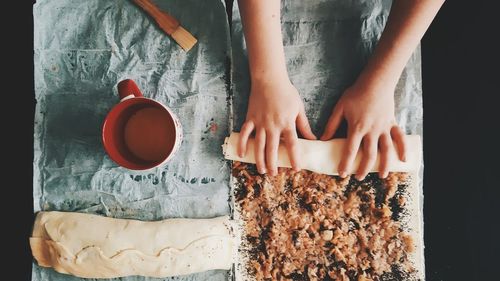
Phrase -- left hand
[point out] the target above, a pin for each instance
(369, 112)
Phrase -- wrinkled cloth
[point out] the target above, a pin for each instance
(84, 48)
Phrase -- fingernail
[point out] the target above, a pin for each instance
(404, 158)
(343, 174)
(360, 178)
(262, 171)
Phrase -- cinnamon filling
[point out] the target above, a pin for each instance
(308, 226)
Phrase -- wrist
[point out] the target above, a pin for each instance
(266, 77)
(376, 82)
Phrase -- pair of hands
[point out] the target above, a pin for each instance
(276, 112)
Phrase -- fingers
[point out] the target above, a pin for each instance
(303, 126)
(370, 146)
(333, 123)
(267, 140)
(399, 139)
(245, 132)
(272, 143)
(350, 151)
(291, 143)
(369, 156)
(260, 144)
(384, 143)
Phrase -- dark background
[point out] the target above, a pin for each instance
(460, 60)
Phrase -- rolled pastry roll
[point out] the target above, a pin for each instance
(324, 156)
(92, 246)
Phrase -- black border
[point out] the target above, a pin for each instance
(18, 106)
(460, 89)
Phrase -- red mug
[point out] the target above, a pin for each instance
(140, 133)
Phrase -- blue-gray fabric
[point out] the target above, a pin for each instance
(84, 48)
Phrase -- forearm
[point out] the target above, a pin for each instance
(262, 28)
(407, 23)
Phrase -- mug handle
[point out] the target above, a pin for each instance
(127, 89)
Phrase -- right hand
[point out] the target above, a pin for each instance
(275, 111)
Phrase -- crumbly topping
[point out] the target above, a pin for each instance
(308, 226)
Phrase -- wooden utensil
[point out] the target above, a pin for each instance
(168, 24)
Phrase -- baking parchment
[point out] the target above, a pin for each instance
(82, 49)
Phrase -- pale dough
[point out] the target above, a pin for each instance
(93, 246)
(324, 156)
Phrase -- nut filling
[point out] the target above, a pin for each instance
(309, 226)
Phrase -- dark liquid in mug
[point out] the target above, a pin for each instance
(150, 134)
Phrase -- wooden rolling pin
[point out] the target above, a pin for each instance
(169, 24)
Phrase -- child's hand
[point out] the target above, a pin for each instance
(369, 112)
(275, 110)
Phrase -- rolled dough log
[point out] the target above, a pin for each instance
(324, 156)
(92, 246)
